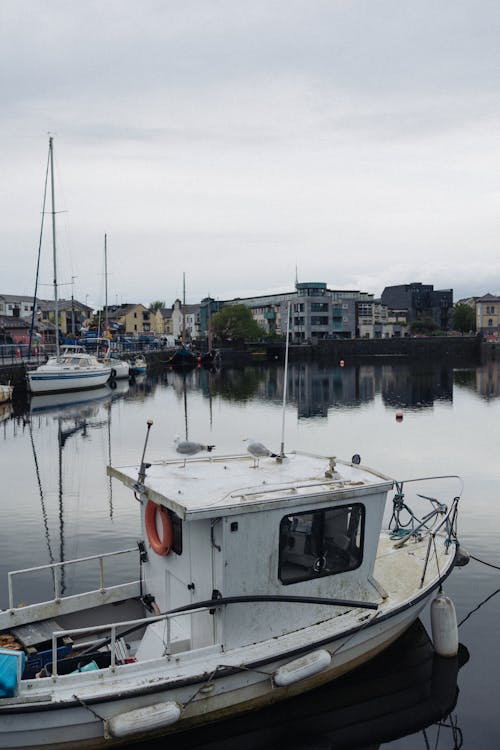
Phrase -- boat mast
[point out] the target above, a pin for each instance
(106, 282)
(285, 381)
(54, 254)
(183, 308)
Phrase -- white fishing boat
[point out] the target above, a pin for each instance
(258, 580)
(6, 391)
(261, 577)
(74, 369)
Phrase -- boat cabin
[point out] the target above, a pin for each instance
(284, 528)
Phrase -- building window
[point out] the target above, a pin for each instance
(490, 322)
(320, 543)
(319, 320)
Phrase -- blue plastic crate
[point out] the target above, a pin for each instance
(11, 669)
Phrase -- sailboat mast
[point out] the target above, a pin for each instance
(183, 309)
(54, 254)
(106, 282)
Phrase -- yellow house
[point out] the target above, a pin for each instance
(133, 319)
(487, 316)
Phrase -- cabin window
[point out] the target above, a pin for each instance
(321, 543)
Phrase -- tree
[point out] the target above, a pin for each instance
(236, 323)
(464, 318)
(424, 326)
(157, 305)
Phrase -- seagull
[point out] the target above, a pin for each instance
(189, 448)
(259, 450)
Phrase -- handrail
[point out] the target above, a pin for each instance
(55, 567)
(112, 627)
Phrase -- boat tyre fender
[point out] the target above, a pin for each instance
(161, 543)
(113, 373)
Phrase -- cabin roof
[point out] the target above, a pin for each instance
(228, 485)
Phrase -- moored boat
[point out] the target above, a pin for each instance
(73, 370)
(258, 581)
(140, 365)
(6, 391)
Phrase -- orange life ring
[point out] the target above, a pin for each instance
(160, 544)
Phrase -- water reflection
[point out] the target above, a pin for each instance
(315, 389)
(405, 690)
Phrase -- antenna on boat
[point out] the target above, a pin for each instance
(142, 470)
(285, 381)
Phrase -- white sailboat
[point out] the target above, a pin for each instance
(74, 369)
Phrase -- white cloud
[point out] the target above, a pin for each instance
(233, 140)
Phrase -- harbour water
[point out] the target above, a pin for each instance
(58, 504)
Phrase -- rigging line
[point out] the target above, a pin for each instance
(85, 705)
(203, 686)
(483, 562)
(485, 601)
(38, 257)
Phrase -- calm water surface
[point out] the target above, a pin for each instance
(59, 504)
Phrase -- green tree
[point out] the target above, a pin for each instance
(464, 318)
(424, 326)
(158, 304)
(236, 323)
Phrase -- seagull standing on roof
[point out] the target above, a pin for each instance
(189, 448)
(259, 450)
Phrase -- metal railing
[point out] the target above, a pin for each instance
(112, 628)
(56, 568)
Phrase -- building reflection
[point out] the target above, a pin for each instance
(315, 389)
(487, 379)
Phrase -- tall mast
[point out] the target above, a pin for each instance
(106, 281)
(183, 308)
(54, 254)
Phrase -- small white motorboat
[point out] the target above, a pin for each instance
(257, 581)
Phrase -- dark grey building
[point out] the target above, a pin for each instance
(421, 301)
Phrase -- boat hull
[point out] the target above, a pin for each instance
(58, 382)
(83, 725)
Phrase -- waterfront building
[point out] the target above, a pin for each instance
(72, 315)
(316, 311)
(421, 301)
(16, 305)
(487, 316)
(129, 319)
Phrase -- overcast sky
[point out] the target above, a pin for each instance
(241, 142)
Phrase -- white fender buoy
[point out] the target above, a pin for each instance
(341, 363)
(444, 626)
(300, 669)
(143, 719)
